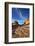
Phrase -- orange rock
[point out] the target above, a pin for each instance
(27, 22)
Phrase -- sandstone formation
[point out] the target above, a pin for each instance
(26, 22)
(22, 31)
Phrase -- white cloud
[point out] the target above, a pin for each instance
(20, 14)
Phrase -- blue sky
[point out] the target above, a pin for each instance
(20, 14)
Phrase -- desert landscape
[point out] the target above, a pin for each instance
(20, 22)
(20, 31)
